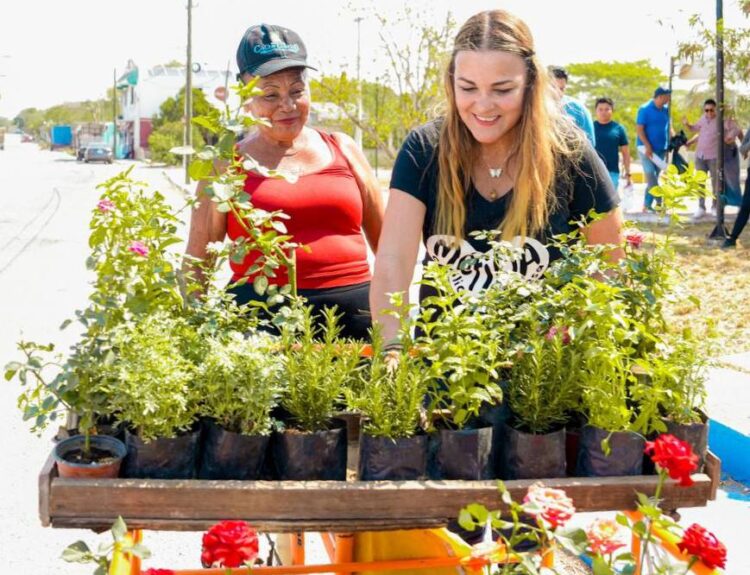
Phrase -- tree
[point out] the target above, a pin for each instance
(629, 84)
(173, 109)
(736, 48)
(408, 93)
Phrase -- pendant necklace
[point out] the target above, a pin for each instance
(495, 174)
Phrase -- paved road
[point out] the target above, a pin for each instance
(45, 203)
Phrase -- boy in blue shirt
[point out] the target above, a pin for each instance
(611, 141)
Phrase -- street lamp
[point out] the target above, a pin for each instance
(188, 137)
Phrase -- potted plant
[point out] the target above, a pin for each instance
(317, 367)
(390, 398)
(678, 370)
(77, 386)
(154, 397)
(608, 444)
(462, 364)
(238, 383)
(543, 388)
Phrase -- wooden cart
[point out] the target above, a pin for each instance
(324, 506)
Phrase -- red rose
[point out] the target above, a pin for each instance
(153, 571)
(704, 545)
(634, 239)
(229, 544)
(675, 456)
(552, 505)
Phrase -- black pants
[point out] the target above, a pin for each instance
(742, 215)
(352, 303)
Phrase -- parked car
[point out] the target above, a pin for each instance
(98, 152)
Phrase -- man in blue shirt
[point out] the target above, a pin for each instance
(573, 108)
(654, 130)
(611, 141)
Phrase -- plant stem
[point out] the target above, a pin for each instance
(657, 495)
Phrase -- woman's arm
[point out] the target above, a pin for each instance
(207, 224)
(396, 257)
(607, 230)
(372, 195)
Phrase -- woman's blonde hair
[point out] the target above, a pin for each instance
(544, 136)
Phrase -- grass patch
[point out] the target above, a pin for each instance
(719, 279)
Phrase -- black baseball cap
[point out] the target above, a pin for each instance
(266, 49)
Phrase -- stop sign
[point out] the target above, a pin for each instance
(220, 93)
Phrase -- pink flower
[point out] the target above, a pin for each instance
(138, 248)
(602, 535)
(634, 238)
(562, 331)
(153, 571)
(105, 206)
(552, 505)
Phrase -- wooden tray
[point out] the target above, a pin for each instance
(338, 506)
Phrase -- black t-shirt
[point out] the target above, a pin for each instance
(415, 172)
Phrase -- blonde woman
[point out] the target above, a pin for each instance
(502, 157)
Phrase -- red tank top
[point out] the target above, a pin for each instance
(325, 214)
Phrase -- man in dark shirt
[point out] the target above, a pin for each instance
(611, 140)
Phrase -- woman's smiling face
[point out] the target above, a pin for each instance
(489, 87)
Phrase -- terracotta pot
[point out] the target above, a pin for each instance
(107, 467)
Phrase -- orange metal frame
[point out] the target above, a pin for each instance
(340, 550)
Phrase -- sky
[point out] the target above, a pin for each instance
(54, 51)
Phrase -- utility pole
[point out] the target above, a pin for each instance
(719, 232)
(114, 113)
(188, 138)
(357, 128)
(671, 75)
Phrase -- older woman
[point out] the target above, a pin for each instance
(502, 157)
(335, 196)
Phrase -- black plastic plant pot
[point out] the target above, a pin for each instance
(383, 458)
(229, 455)
(625, 456)
(320, 455)
(533, 456)
(104, 457)
(162, 458)
(496, 416)
(462, 454)
(695, 434)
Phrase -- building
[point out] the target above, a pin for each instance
(141, 95)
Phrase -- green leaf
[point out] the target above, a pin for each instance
(119, 529)
(77, 552)
(600, 567)
(260, 284)
(11, 368)
(466, 521)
